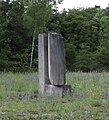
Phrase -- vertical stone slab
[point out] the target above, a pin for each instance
(56, 59)
(43, 62)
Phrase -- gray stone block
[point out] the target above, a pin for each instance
(43, 61)
(51, 90)
(51, 66)
(66, 90)
(56, 59)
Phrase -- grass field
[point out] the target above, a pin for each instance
(89, 99)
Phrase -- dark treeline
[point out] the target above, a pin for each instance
(85, 32)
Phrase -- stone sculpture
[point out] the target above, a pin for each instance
(51, 67)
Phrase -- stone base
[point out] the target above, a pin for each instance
(66, 90)
(51, 90)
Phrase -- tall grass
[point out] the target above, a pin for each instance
(15, 86)
(89, 99)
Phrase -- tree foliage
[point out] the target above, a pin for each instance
(85, 32)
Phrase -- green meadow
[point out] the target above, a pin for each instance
(89, 99)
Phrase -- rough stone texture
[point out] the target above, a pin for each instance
(66, 90)
(51, 66)
(51, 90)
(43, 62)
(56, 59)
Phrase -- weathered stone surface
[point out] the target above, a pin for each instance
(56, 59)
(51, 90)
(51, 67)
(43, 61)
(66, 90)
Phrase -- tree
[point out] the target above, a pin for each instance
(18, 35)
(4, 40)
(38, 11)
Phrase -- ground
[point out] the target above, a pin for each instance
(89, 99)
